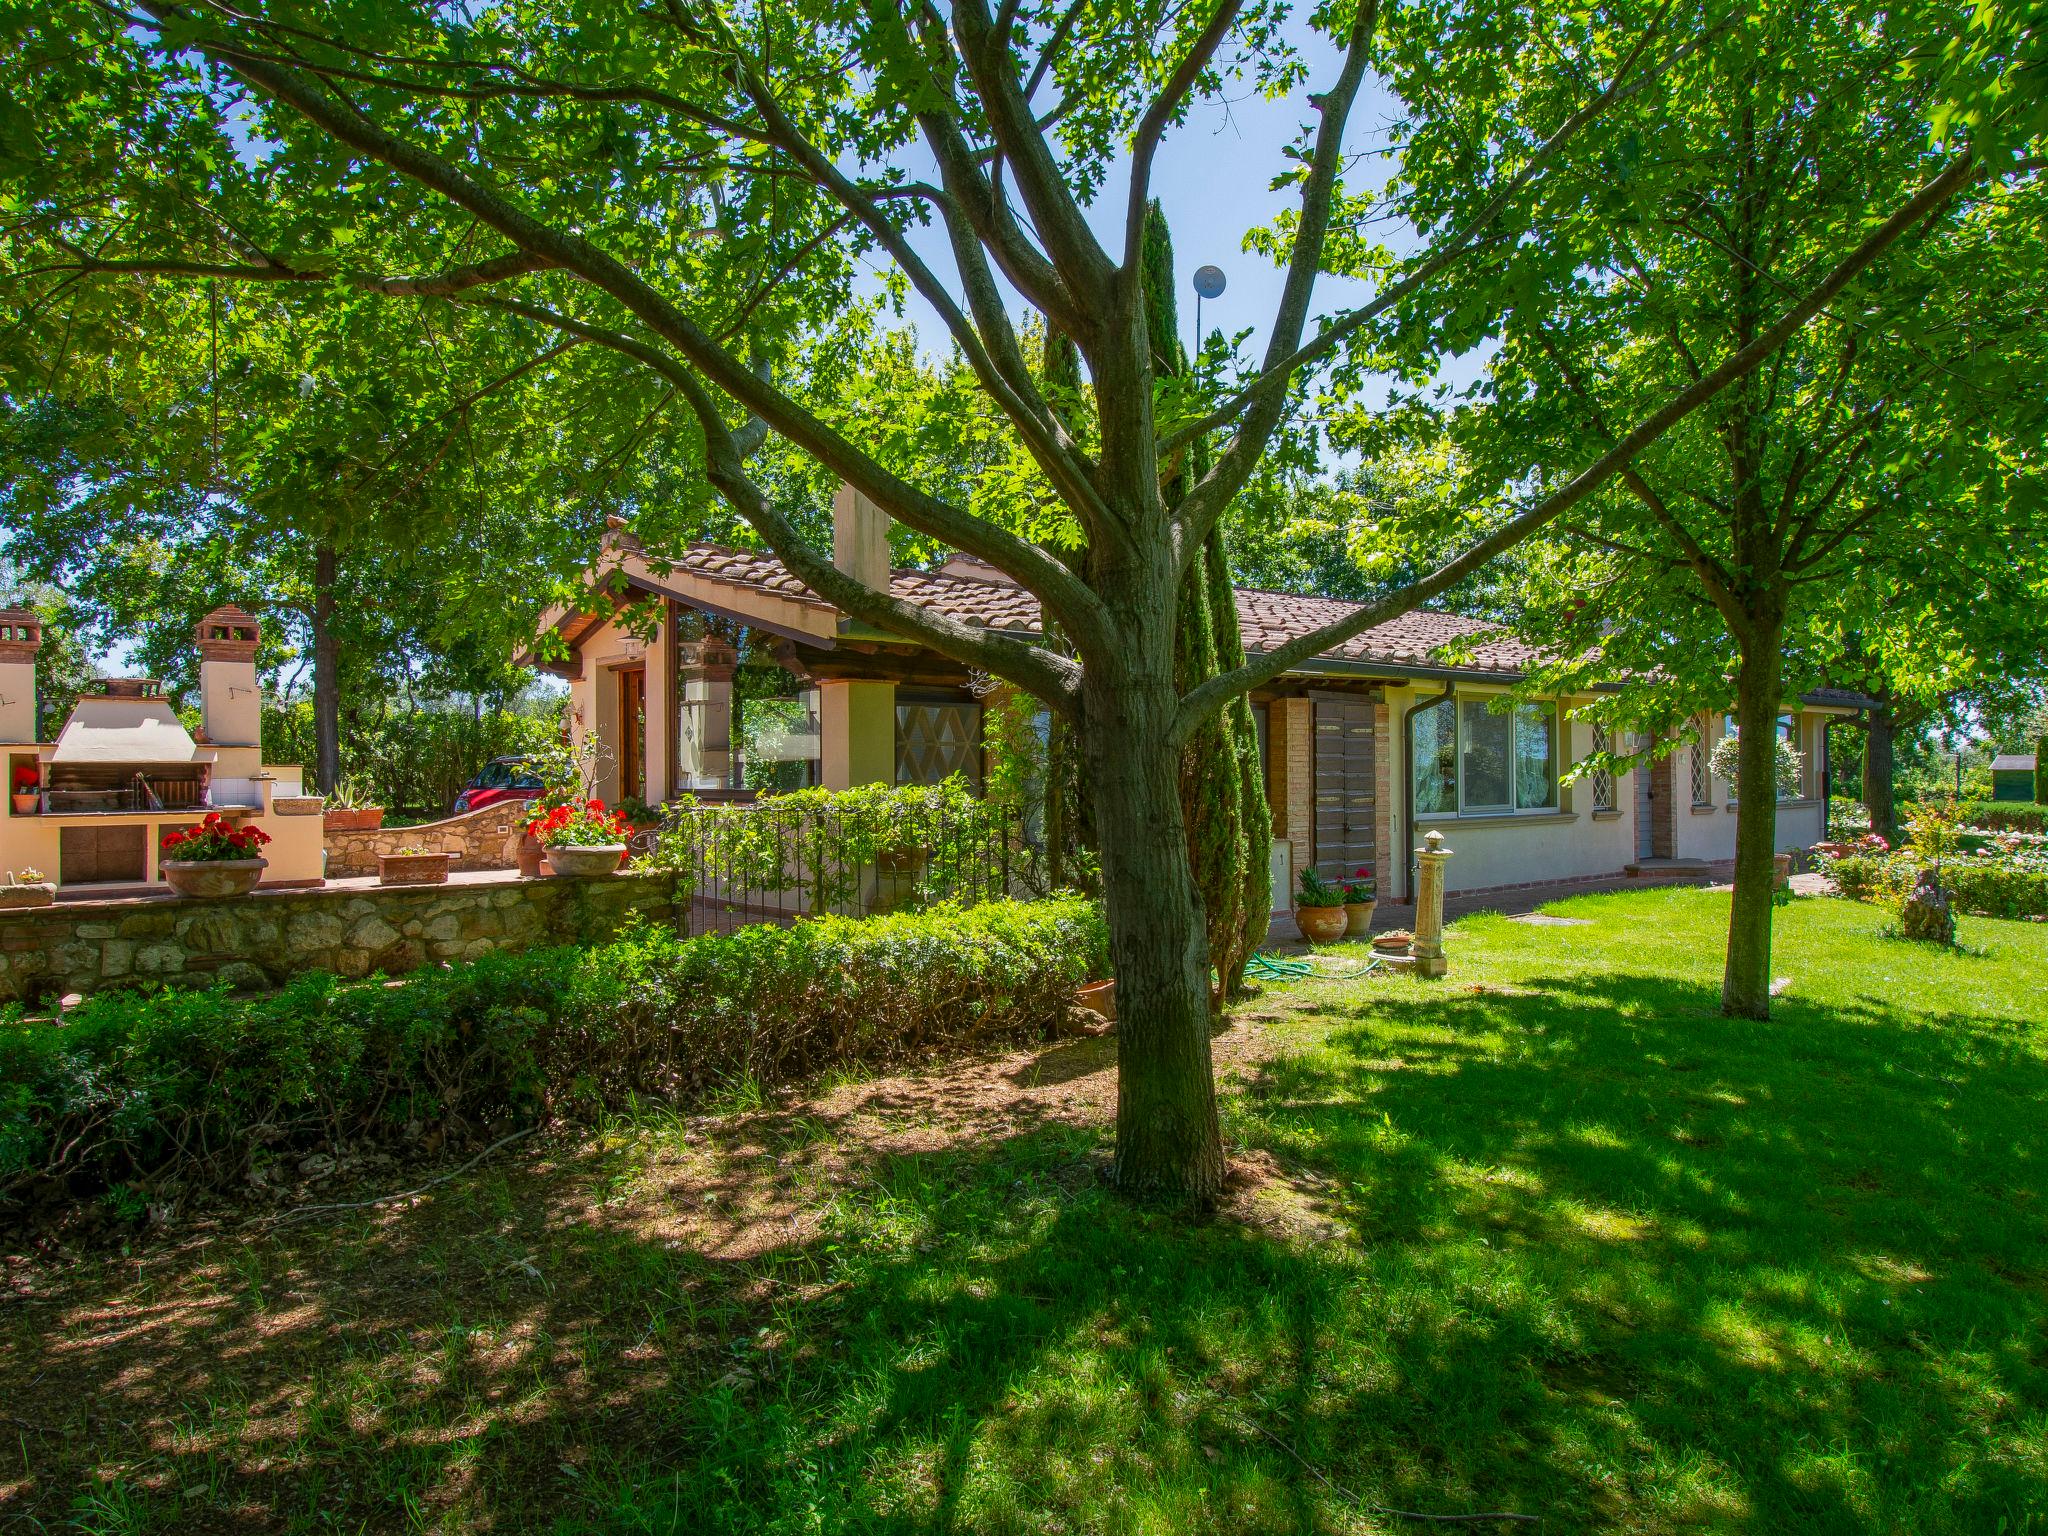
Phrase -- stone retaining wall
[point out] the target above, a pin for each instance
(263, 938)
(480, 839)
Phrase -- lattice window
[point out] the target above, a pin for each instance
(935, 740)
(1602, 778)
(1702, 770)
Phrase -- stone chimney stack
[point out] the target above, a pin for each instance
(21, 636)
(230, 707)
(860, 538)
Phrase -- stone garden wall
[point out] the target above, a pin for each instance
(481, 839)
(262, 938)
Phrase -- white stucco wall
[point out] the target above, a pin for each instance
(1570, 843)
(1708, 832)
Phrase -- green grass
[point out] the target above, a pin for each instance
(1553, 1238)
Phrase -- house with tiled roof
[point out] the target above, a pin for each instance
(716, 671)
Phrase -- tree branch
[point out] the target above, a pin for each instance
(1211, 695)
(435, 285)
(1063, 593)
(1277, 371)
(1145, 143)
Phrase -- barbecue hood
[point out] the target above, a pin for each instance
(117, 732)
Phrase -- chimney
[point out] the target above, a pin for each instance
(230, 708)
(21, 636)
(860, 538)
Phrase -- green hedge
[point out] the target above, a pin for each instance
(1992, 889)
(1995, 815)
(142, 1093)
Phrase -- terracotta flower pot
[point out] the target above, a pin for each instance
(25, 805)
(212, 879)
(1392, 943)
(585, 863)
(1320, 925)
(367, 818)
(1099, 998)
(530, 854)
(33, 893)
(1358, 918)
(413, 868)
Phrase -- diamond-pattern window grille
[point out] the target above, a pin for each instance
(935, 740)
(1603, 778)
(1702, 772)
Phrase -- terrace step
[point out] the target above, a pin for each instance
(1669, 869)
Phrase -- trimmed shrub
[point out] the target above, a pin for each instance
(1997, 815)
(142, 1092)
(1995, 890)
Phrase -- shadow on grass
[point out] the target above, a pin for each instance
(1790, 1275)
(1619, 1264)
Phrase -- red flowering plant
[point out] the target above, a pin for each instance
(1361, 887)
(589, 825)
(214, 840)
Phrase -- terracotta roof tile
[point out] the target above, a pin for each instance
(1268, 619)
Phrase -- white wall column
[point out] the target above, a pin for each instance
(21, 636)
(857, 728)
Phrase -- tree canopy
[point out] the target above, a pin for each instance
(697, 188)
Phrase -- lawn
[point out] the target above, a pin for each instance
(1549, 1238)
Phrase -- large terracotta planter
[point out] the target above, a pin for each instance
(413, 868)
(531, 857)
(25, 805)
(586, 863)
(212, 879)
(1099, 998)
(1358, 918)
(33, 893)
(1320, 925)
(366, 818)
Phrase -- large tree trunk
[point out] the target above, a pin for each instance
(1168, 1141)
(326, 672)
(1879, 734)
(1746, 978)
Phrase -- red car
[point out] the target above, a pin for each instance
(503, 778)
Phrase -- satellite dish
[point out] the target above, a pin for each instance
(1209, 282)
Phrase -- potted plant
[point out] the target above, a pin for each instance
(214, 859)
(27, 888)
(349, 809)
(1395, 941)
(582, 841)
(1318, 909)
(414, 866)
(26, 783)
(1361, 893)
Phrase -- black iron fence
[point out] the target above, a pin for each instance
(855, 853)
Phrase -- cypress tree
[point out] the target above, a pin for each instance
(1223, 792)
(1069, 829)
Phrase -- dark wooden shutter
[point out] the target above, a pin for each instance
(1344, 786)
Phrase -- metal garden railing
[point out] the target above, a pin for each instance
(855, 853)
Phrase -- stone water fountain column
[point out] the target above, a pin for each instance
(1428, 948)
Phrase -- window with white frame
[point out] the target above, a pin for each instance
(1788, 727)
(1470, 761)
(1702, 770)
(1601, 779)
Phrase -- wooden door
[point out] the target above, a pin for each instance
(632, 733)
(1345, 791)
